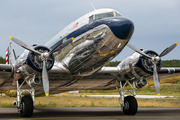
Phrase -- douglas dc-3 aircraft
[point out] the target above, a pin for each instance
(75, 58)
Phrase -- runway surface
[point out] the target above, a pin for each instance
(95, 113)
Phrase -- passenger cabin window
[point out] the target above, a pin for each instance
(91, 19)
(117, 14)
(104, 15)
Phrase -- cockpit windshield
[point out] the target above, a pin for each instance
(117, 14)
(104, 15)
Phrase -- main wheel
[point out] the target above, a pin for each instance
(130, 105)
(26, 106)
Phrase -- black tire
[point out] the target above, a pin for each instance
(27, 106)
(130, 105)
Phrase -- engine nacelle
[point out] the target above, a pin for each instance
(29, 65)
(140, 83)
(137, 67)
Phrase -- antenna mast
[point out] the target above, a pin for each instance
(93, 6)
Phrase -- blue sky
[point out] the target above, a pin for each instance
(157, 22)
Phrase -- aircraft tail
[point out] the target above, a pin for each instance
(10, 55)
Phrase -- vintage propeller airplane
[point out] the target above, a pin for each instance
(75, 58)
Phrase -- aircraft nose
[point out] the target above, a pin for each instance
(122, 28)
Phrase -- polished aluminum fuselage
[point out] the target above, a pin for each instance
(91, 51)
(94, 45)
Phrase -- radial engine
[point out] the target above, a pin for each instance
(138, 68)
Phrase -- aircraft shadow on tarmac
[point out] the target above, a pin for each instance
(92, 112)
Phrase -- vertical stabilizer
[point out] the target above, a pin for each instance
(10, 55)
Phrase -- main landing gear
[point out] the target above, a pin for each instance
(25, 103)
(128, 104)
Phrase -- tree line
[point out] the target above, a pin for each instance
(165, 63)
(2, 60)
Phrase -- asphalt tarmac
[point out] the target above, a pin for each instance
(95, 113)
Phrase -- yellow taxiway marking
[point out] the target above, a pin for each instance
(139, 117)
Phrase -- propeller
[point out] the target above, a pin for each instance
(24, 45)
(155, 60)
(45, 79)
(44, 56)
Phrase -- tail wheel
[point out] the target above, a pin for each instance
(26, 106)
(130, 105)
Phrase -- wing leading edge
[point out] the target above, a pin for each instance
(6, 71)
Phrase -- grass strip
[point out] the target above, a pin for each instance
(66, 101)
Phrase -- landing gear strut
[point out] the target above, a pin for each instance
(128, 104)
(26, 105)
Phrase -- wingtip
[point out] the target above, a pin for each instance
(47, 94)
(158, 94)
(176, 43)
(10, 37)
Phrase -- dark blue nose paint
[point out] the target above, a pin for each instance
(121, 27)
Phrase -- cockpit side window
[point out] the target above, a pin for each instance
(117, 14)
(91, 20)
(104, 15)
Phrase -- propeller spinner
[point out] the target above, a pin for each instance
(154, 61)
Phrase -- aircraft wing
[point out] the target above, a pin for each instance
(6, 71)
(164, 72)
(106, 78)
(62, 80)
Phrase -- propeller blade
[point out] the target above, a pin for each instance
(45, 79)
(24, 45)
(139, 51)
(169, 49)
(156, 80)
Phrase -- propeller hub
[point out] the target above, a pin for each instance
(44, 56)
(156, 59)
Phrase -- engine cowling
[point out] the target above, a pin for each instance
(137, 67)
(29, 64)
(35, 61)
